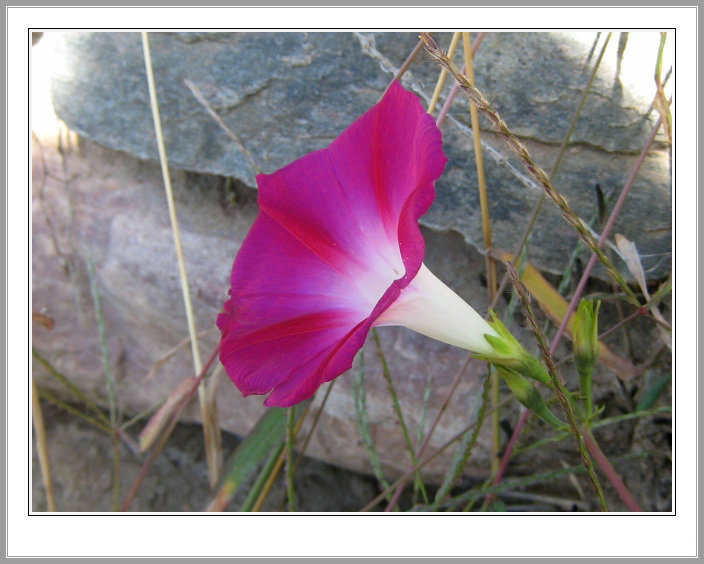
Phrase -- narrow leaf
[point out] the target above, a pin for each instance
(267, 436)
(653, 393)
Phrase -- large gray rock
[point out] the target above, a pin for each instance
(285, 94)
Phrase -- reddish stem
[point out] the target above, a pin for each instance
(426, 439)
(174, 419)
(609, 471)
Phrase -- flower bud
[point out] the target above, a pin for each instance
(526, 392)
(584, 333)
(586, 349)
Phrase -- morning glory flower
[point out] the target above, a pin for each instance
(336, 250)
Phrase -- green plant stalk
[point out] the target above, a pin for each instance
(48, 396)
(600, 423)
(42, 447)
(102, 335)
(519, 483)
(185, 290)
(433, 426)
(559, 389)
(585, 340)
(137, 418)
(290, 463)
(313, 426)
(427, 459)
(116, 472)
(266, 471)
(464, 449)
(537, 172)
(424, 408)
(72, 387)
(360, 405)
(397, 407)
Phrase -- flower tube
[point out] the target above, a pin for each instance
(336, 250)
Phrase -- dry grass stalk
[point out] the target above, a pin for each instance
(42, 447)
(190, 318)
(537, 172)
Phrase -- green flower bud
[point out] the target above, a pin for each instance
(586, 349)
(585, 334)
(526, 392)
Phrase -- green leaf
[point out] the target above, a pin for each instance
(653, 393)
(267, 436)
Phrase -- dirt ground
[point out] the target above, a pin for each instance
(178, 481)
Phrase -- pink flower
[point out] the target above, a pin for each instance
(336, 249)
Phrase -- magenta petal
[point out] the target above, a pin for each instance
(336, 240)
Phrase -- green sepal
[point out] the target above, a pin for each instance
(526, 392)
(509, 353)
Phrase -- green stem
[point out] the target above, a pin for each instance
(559, 390)
(73, 388)
(102, 335)
(290, 463)
(399, 414)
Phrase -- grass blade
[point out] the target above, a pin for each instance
(399, 413)
(42, 447)
(71, 387)
(464, 449)
(102, 335)
(263, 442)
(207, 418)
(360, 405)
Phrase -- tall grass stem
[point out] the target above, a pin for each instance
(190, 318)
(42, 447)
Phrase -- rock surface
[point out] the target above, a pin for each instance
(285, 94)
(178, 481)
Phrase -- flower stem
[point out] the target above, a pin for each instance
(399, 413)
(559, 389)
(290, 464)
(42, 447)
(610, 472)
(433, 426)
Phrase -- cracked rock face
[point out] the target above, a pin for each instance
(286, 94)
